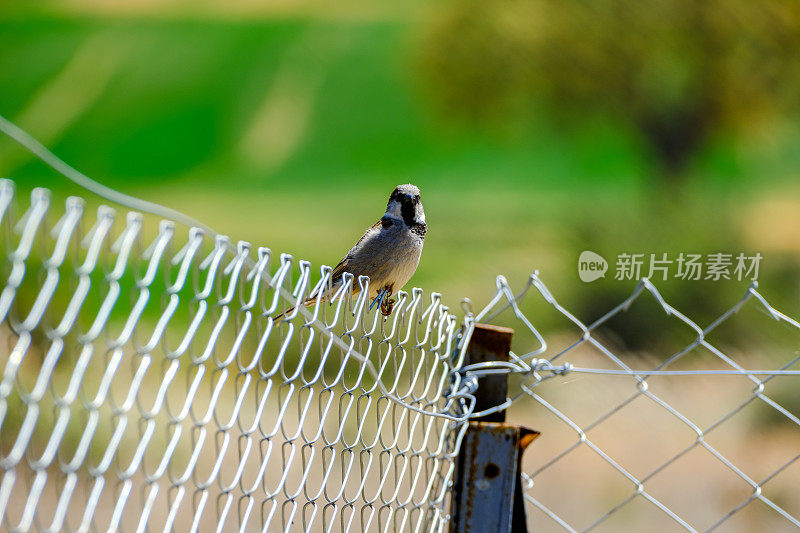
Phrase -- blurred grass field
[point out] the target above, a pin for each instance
(290, 130)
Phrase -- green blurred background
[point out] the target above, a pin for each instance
(535, 129)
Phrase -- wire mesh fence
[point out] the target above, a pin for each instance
(691, 439)
(146, 386)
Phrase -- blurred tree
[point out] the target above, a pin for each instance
(677, 71)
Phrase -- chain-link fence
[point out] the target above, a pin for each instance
(683, 437)
(146, 386)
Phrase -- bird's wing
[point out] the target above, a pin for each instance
(344, 264)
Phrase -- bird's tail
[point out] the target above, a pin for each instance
(279, 317)
(328, 294)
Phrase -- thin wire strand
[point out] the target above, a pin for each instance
(59, 165)
(686, 372)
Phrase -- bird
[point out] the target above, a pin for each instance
(388, 252)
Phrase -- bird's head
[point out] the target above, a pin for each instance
(405, 204)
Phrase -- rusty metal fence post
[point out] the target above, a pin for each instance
(487, 491)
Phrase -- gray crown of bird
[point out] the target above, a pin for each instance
(388, 252)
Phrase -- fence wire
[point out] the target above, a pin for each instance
(147, 387)
(696, 441)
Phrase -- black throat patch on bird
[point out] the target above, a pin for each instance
(408, 212)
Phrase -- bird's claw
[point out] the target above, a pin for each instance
(387, 304)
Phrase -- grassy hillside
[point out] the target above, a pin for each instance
(291, 132)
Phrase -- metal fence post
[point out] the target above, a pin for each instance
(487, 491)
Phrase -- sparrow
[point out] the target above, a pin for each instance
(388, 252)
